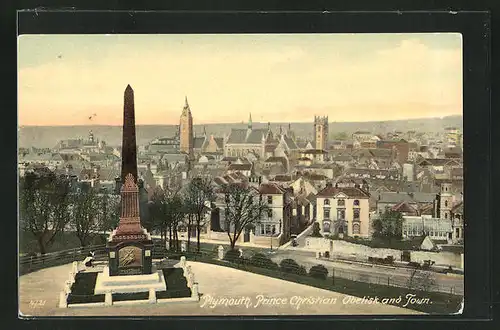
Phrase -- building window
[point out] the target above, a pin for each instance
(269, 213)
(341, 214)
(446, 215)
(356, 202)
(341, 202)
(355, 229)
(268, 229)
(355, 215)
(326, 214)
(326, 226)
(269, 199)
(445, 203)
(327, 202)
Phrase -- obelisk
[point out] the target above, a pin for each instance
(130, 245)
(129, 145)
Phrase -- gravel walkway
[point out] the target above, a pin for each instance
(225, 291)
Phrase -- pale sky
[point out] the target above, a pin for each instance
(64, 79)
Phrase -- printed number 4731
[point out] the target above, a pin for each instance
(37, 303)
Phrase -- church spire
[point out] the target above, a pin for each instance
(250, 121)
(186, 110)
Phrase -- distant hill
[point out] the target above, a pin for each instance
(48, 136)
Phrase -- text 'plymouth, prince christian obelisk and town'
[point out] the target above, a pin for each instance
(129, 246)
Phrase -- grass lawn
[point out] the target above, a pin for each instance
(176, 284)
(409, 244)
(82, 291)
(130, 296)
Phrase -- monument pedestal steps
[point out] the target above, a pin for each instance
(129, 283)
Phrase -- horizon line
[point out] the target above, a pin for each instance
(253, 122)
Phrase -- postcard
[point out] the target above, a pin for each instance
(240, 174)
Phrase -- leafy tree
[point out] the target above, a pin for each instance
(318, 271)
(341, 136)
(232, 256)
(389, 225)
(44, 207)
(292, 267)
(316, 230)
(263, 261)
(199, 196)
(243, 208)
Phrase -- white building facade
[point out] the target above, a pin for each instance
(343, 211)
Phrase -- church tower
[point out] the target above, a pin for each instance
(186, 130)
(445, 201)
(320, 132)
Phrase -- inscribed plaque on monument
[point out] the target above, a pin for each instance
(130, 256)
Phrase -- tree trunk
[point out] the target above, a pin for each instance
(190, 219)
(198, 230)
(170, 239)
(177, 242)
(41, 245)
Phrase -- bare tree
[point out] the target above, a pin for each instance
(174, 213)
(167, 210)
(84, 214)
(108, 214)
(243, 208)
(44, 207)
(199, 196)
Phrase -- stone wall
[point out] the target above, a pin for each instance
(265, 240)
(440, 258)
(342, 249)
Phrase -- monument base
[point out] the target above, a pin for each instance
(129, 283)
(130, 254)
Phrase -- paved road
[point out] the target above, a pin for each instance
(371, 273)
(357, 271)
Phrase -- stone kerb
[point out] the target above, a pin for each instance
(63, 299)
(63, 295)
(67, 287)
(152, 296)
(183, 262)
(190, 280)
(74, 267)
(220, 252)
(108, 299)
(187, 271)
(195, 295)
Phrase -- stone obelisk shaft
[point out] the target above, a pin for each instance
(129, 146)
